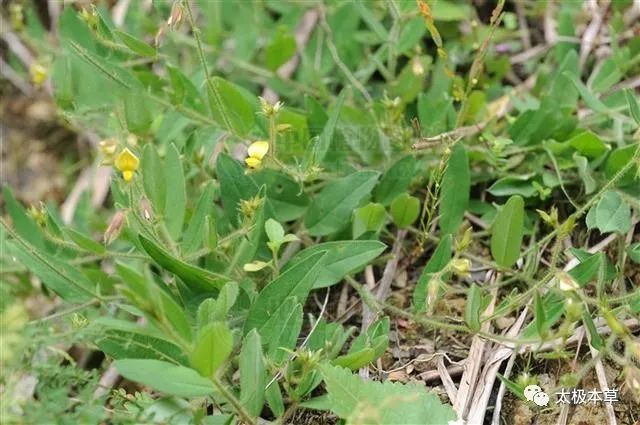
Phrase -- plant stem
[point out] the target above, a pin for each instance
(239, 408)
(203, 61)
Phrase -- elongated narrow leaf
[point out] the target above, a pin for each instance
(454, 192)
(165, 377)
(176, 197)
(194, 277)
(282, 331)
(507, 232)
(295, 282)
(66, 281)
(588, 97)
(153, 177)
(343, 257)
(440, 258)
(321, 148)
(135, 44)
(193, 236)
(22, 223)
(253, 375)
(331, 209)
(472, 308)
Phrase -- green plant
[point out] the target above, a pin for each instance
(228, 211)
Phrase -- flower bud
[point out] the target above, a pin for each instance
(461, 267)
(145, 209)
(115, 227)
(38, 74)
(613, 323)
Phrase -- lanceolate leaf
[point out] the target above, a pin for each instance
(295, 282)
(165, 377)
(507, 232)
(454, 192)
(253, 374)
(440, 258)
(343, 257)
(331, 209)
(176, 197)
(194, 277)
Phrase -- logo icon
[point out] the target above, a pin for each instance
(535, 394)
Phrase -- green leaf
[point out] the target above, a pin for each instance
(253, 375)
(230, 107)
(212, 348)
(135, 44)
(588, 144)
(193, 236)
(610, 214)
(359, 401)
(194, 277)
(321, 147)
(153, 177)
(217, 309)
(235, 185)
(369, 218)
(274, 399)
(22, 223)
(274, 230)
(634, 252)
(176, 196)
(395, 180)
(85, 242)
(438, 261)
(281, 48)
(618, 159)
(507, 232)
(331, 209)
(513, 185)
(633, 105)
(355, 360)
(343, 257)
(296, 282)
(405, 209)
(281, 335)
(595, 339)
(165, 377)
(121, 339)
(541, 317)
(59, 276)
(585, 173)
(473, 308)
(588, 97)
(454, 192)
(137, 114)
(285, 199)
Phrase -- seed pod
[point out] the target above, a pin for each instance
(115, 227)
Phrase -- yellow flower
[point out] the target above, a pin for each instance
(253, 162)
(38, 74)
(257, 151)
(127, 163)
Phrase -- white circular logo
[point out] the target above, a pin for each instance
(535, 394)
